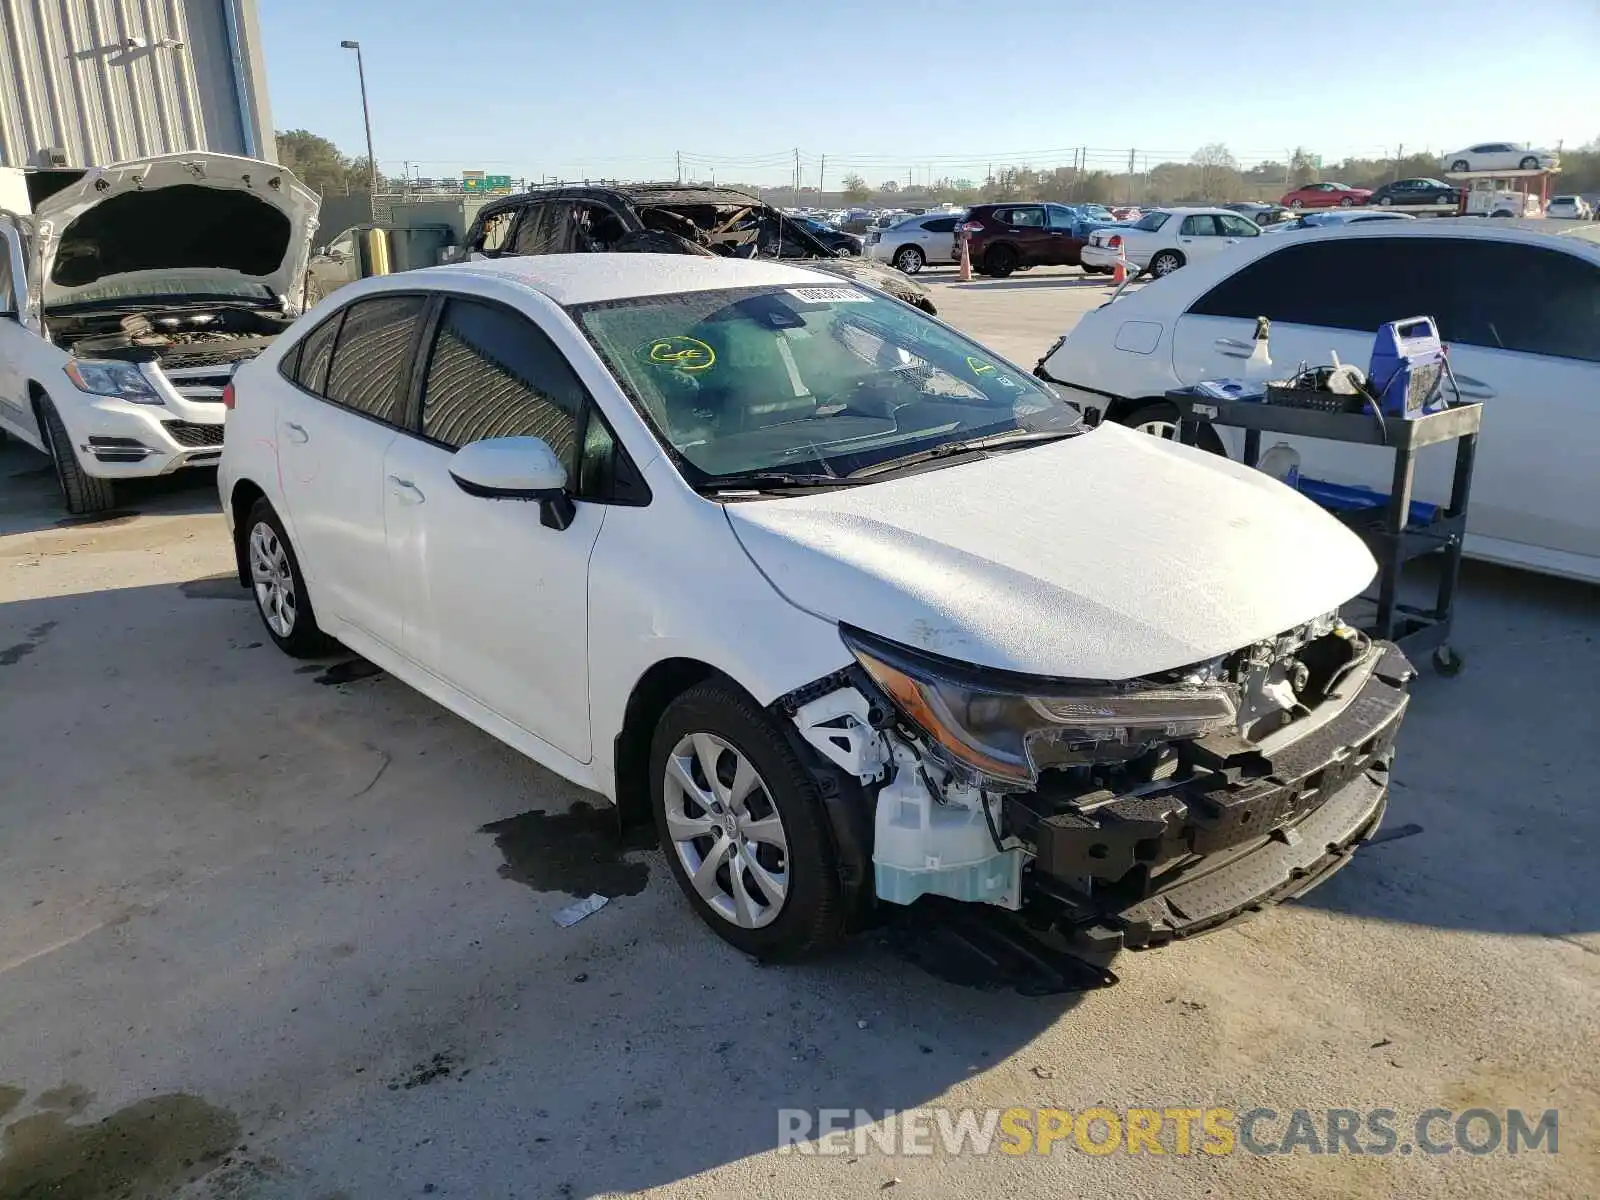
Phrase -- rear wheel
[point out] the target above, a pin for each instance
(1296, 203)
(83, 493)
(1000, 261)
(909, 259)
(742, 825)
(278, 586)
(1165, 263)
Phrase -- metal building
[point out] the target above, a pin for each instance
(107, 80)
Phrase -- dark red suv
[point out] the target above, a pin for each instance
(1003, 237)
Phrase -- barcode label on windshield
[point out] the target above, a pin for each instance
(830, 295)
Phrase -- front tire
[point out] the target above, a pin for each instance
(1385, 202)
(1347, 202)
(83, 493)
(279, 587)
(1297, 203)
(909, 259)
(742, 826)
(1528, 164)
(1165, 263)
(1461, 164)
(1161, 420)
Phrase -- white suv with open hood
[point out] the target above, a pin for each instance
(128, 297)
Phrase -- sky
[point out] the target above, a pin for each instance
(913, 89)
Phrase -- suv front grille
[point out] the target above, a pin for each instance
(190, 433)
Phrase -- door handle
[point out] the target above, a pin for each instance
(405, 491)
(297, 433)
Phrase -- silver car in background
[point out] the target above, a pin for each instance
(915, 242)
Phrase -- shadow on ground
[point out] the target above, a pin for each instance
(1497, 766)
(30, 500)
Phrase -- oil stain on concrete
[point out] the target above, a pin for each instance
(146, 1150)
(349, 671)
(578, 852)
(12, 655)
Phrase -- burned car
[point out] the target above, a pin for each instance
(668, 218)
(131, 292)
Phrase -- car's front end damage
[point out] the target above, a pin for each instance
(1120, 815)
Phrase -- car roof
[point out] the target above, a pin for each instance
(634, 193)
(1199, 277)
(570, 279)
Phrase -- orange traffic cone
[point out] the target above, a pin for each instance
(1119, 273)
(966, 261)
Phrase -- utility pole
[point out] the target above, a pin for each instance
(678, 154)
(1400, 152)
(797, 176)
(366, 117)
(1131, 154)
(822, 167)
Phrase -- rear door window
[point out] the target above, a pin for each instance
(1061, 217)
(309, 366)
(1199, 225)
(371, 365)
(495, 235)
(940, 225)
(1032, 218)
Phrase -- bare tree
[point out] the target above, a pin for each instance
(855, 189)
(1219, 170)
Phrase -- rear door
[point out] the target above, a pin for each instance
(1025, 228)
(1200, 236)
(936, 237)
(334, 427)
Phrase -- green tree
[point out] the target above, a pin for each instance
(321, 166)
(1302, 168)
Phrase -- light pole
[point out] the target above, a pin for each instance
(366, 116)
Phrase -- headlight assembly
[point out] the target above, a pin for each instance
(1009, 728)
(111, 377)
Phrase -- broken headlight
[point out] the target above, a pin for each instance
(1008, 727)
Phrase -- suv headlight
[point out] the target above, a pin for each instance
(111, 377)
(1009, 728)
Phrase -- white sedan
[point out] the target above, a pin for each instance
(1165, 239)
(1519, 310)
(820, 585)
(1569, 208)
(1500, 156)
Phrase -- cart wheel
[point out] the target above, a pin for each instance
(1447, 662)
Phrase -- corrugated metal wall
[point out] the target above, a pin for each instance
(107, 80)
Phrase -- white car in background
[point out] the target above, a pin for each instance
(1500, 156)
(699, 534)
(128, 296)
(915, 242)
(1569, 208)
(1165, 239)
(1519, 310)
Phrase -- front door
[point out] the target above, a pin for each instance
(334, 428)
(16, 412)
(496, 603)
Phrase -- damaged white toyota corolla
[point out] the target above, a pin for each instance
(859, 611)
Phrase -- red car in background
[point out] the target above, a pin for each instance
(1326, 195)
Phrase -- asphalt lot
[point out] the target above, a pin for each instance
(270, 930)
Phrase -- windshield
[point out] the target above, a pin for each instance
(1151, 222)
(825, 379)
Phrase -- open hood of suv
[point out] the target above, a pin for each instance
(194, 218)
(1108, 556)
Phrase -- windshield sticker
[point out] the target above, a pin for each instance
(978, 366)
(684, 353)
(830, 295)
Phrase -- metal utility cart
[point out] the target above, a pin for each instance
(1392, 536)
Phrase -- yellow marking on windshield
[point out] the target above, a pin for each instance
(978, 366)
(683, 353)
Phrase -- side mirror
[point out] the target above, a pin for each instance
(516, 468)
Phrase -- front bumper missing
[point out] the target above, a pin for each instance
(1249, 829)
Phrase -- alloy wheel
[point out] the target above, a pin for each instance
(1164, 264)
(1161, 429)
(272, 579)
(726, 831)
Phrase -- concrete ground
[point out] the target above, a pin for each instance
(276, 930)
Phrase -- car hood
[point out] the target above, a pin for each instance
(1107, 556)
(201, 215)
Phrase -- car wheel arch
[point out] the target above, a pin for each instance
(661, 684)
(1119, 408)
(245, 494)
